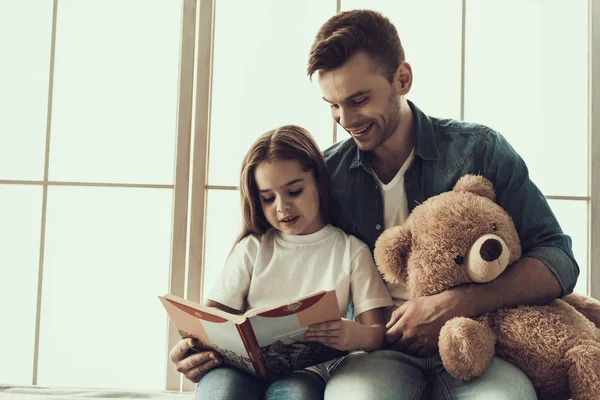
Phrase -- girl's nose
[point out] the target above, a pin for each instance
(283, 207)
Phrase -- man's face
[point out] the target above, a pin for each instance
(362, 100)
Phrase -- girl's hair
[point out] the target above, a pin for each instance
(288, 142)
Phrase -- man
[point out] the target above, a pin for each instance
(398, 158)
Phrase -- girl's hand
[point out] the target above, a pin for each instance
(193, 365)
(345, 335)
(341, 335)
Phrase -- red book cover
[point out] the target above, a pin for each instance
(265, 342)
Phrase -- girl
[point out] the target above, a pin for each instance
(288, 250)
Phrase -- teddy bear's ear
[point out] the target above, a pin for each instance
(391, 252)
(476, 184)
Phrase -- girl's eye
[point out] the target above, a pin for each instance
(269, 200)
(295, 193)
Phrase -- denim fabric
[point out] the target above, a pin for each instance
(446, 150)
(226, 383)
(386, 374)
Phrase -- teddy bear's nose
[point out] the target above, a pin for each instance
(490, 250)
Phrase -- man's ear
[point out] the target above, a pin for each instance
(391, 253)
(403, 78)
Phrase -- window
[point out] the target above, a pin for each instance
(513, 84)
(124, 125)
(87, 145)
(259, 83)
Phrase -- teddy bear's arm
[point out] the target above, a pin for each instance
(466, 347)
(588, 306)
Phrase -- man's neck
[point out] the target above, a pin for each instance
(387, 159)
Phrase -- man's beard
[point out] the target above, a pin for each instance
(394, 116)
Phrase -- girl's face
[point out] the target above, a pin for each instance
(289, 197)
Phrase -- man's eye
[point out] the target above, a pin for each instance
(295, 193)
(360, 101)
(334, 106)
(269, 200)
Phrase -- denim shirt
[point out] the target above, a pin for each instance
(445, 150)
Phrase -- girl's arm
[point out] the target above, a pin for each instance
(367, 334)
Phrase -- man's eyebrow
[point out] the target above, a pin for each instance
(290, 183)
(355, 94)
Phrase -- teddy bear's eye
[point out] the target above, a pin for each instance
(459, 260)
(494, 228)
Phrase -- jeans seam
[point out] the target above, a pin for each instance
(445, 388)
(420, 390)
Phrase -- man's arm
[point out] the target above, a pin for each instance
(546, 271)
(414, 328)
(527, 281)
(540, 234)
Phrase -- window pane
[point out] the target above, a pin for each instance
(223, 224)
(573, 218)
(526, 77)
(106, 261)
(20, 216)
(432, 43)
(25, 43)
(260, 56)
(115, 91)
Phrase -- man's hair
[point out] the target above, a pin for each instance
(288, 142)
(350, 31)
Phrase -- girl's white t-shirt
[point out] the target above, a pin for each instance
(275, 268)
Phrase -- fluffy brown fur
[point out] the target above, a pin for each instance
(557, 345)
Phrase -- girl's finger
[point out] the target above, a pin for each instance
(329, 325)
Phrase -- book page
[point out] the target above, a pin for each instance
(211, 332)
(280, 333)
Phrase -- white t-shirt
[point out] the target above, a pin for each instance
(276, 268)
(395, 212)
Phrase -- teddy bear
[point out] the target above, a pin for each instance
(464, 236)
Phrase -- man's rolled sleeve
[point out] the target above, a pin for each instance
(556, 259)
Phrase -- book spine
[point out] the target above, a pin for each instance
(251, 344)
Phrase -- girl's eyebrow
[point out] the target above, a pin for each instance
(290, 183)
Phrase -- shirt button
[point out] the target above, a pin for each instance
(378, 227)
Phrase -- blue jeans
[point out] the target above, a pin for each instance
(386, 374)
(226, 383)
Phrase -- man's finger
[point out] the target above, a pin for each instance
(401, 344)
(413, 348)
(396, 315)
(394, 333)
(179, 352)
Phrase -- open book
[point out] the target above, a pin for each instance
(265, 342)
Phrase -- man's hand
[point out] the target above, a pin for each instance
(414, 327)
(193, 365)
(342, 335)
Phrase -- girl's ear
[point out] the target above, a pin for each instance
(391, 253)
